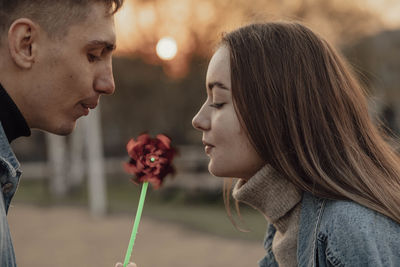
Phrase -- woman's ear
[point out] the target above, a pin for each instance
(22, 42)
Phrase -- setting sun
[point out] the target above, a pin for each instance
(167, 48)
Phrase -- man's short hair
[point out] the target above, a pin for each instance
(54, 16)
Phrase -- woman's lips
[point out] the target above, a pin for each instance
(208, 149)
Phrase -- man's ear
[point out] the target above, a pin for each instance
(22, 42)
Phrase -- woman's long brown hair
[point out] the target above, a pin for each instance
(306, 115)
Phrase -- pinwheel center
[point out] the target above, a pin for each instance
(152, 159)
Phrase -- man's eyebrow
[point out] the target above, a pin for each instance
(218, 84)
(107, 45)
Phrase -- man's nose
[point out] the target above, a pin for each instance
(104, 83)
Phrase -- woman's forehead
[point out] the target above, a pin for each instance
(219, 67)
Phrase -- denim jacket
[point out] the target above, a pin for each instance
(341, 233)
(9, 179)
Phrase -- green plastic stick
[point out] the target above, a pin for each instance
(136, 223)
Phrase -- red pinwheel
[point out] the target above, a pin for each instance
(150, 159)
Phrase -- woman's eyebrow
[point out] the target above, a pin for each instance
(218, 84)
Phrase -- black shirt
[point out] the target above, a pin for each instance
(13, 122)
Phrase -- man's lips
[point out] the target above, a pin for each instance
(88, 105)
(85, 110)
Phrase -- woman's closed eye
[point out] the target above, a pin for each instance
(217, 105)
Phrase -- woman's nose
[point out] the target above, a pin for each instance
(201, 121)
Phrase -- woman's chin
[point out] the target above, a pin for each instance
(218, 172)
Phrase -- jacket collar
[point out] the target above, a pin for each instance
(7, 156)
(310, 219)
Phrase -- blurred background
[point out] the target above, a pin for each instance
(75, 206)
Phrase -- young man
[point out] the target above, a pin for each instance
(55, 63)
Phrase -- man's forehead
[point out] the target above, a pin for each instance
(95, 30)
(98, 18)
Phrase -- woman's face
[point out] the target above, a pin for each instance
(226, 144)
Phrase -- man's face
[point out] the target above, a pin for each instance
(70, 74)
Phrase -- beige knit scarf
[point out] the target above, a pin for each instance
(279, 201)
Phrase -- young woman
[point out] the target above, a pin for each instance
(285, 114)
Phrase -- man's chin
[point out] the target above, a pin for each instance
(63, 130)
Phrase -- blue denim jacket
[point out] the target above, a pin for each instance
(341, 233)
(9, 179)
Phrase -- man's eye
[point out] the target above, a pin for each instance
(217, 105)
(93, 58)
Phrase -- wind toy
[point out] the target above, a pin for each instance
(150, 162)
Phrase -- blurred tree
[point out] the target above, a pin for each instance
(196, 25)
(57, 155)
(377, 61)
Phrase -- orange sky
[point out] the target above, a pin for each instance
(139, 18)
